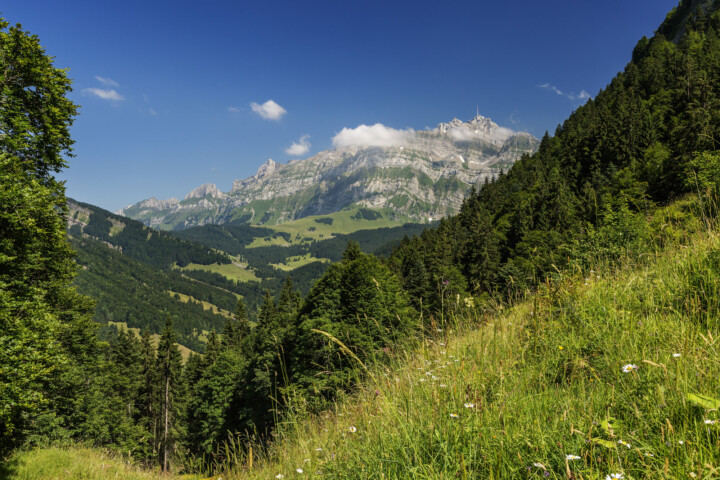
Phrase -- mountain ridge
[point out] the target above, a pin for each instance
(420, 175)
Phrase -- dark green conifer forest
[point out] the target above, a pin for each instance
(589, 193)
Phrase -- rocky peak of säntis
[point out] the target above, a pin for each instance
(420, 175)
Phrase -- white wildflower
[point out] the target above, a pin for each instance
(629, 368)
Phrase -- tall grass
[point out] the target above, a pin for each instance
(75, 463)
(611, 371)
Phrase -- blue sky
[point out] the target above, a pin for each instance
(174, 94)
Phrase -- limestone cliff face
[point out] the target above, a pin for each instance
(426, 175)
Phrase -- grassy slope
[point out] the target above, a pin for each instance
(541, 381)
(342, 223)
(75, 463)
(229, 271)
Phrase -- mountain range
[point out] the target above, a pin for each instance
(413, 176)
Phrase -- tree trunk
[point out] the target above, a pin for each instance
(167, 418)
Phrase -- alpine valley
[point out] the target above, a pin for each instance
(416, 177)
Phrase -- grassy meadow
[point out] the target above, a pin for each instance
(613, 371)
(319, 227)
(76, 463)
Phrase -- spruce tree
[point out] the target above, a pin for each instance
(169, 364)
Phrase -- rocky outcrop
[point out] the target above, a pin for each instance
(428, 175)
(205, 190)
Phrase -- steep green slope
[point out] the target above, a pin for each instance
(126, 290)
(612, 372)
(127, 269)
(135, 240)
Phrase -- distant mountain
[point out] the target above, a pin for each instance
(424, 175)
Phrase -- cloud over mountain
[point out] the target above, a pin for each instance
(301, 147)
(377, 135)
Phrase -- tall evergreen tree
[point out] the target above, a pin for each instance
(169, 368)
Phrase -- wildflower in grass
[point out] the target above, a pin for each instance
(454, 415)
(279, 476)
(676, 355)
(614, 476)
(572, 457)
(318, 449)
(623, 443)
(681, 442)
(299, 470)
(693, 474)
(710, 422)
(352, 429)
(629, 368)
(560, 347)
(469, 405)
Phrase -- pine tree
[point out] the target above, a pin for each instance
(169, 367)
(237, 328)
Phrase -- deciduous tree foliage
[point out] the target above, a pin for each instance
(46, 335)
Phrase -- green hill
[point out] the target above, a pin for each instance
(610, 371)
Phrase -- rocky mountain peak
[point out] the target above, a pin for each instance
(478, 129)
(426, 175)
(266, 169)
(205, 190)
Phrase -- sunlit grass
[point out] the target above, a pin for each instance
(231, 271)
(206, 305)
(291, 263)
(342, 223)
(536, 386)
(76, 464)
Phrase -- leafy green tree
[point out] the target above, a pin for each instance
(47, 340)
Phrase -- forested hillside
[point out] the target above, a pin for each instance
(647, 139)
(131, 271)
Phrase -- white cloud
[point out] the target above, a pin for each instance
(301, 147)
(268, 110)
(105, 94)
(108, 82)
(233, 109)
(552, 88)
(152, 112)
(465, 134)
(583, 95)
(377, 135)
